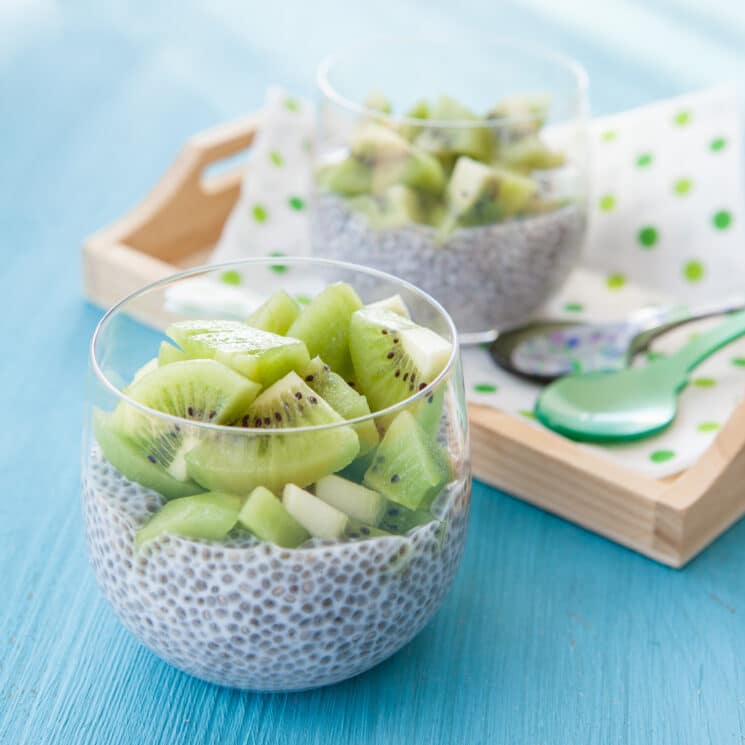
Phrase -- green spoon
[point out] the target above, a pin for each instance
(632, 403)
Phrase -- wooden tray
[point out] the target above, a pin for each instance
(669, 520)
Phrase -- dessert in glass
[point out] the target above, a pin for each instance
(278, 501)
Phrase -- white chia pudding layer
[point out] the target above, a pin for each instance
(486, 277)
(251, 615)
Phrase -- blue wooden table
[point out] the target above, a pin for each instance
(551, 634)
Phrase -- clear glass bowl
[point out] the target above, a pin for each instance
(484, 200)
(239, 612)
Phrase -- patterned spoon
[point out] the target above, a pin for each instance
(632, 403)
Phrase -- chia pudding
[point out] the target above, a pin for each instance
(486, 277)
(252, 615)
(281, 503)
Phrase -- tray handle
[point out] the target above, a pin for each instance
(184, 214)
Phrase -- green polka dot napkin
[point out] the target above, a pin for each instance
(666, 222)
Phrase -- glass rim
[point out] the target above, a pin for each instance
(120, 307)
(327, 88)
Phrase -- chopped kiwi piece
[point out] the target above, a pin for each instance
(393, 160)
(397, 519)
(479, 194)
(145, 463)
(524, 116)
(396, 206)
(348, 177)
(530, 154)
(321, 520)
(323, 325)
(393, 357)
(343, 399)
(408, 467)
(352, 499)
(258, 355)
(447, 141)
(359, 531)
(200, 390)
(268, 519)
(168, 353)
(276, 314)
(394, 304)
(239, 463)
(209, 516)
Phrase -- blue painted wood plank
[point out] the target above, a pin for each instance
(551, 634)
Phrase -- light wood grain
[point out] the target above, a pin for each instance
(669, 520)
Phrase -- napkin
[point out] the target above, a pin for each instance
(665, 223)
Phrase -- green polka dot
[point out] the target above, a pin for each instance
(527, 413)
(704, 382)
(607, 202)
(660, 456)
(722, 219)
(693, 271)
(485, 388)
(276, 158)
(291, 104)
(574, 307)
(608, 136)
(738, 361)
(708, 426)
(717, 144)
(682, 118)
(231, 277)
(615, 281)
(302, 299)
(278, 268)
(296, 203)
(644, 160)
(259, 213)
(682, 187)
(648, 236)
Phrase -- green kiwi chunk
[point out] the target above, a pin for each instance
(393, 160)
(145, 463)
(266, 517)
(258, 355)
(397, 519)
(323, 325)
(394, 357)
(343, 399)
(319, 518)
(200, 390)
(348, 177)
(355, 500)
(210, 516)
(523, 116)
(276, 314)
(530, 154)
(395, 207)
(480, 195)
(238, 462)
(377, 101)
(447, 141)
(408, 467)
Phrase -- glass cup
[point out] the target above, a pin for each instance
(460, 166)
(241, 612)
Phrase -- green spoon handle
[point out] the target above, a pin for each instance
(704, 345)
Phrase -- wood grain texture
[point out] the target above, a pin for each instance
(551, 635)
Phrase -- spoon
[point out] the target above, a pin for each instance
(631, 403)
(546, 350)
